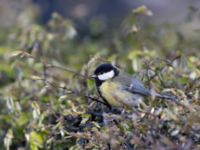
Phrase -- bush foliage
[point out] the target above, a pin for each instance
(48, 100)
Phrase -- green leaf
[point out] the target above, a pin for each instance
(85, 118)
(184, 80)
(90, 84)
(36, 140)
(23, 119)
(143, 10)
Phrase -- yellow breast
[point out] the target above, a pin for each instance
(118, 97)
(107, 90)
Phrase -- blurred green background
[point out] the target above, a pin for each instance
(46, 45)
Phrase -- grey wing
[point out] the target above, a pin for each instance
(137, 87)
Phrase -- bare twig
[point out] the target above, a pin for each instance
(95, 99)
(66, 69)
(46, 65)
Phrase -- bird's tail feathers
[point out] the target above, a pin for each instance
(160, 96)
(157, 95)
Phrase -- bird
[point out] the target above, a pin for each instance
(119, 89)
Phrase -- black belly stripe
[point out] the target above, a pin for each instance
(106, 102)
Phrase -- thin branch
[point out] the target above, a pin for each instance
(68, 70)
(95, 99)
(46, 65)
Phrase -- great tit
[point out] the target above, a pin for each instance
(119, 89)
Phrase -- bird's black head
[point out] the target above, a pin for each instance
(104, 72)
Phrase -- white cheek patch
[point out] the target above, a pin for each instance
(106, 76)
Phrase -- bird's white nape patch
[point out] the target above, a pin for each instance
(106, 76)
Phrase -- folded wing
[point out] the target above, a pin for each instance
(137, 87)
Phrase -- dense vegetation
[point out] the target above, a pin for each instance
(48, 100)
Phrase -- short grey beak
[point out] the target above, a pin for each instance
(93, 76)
